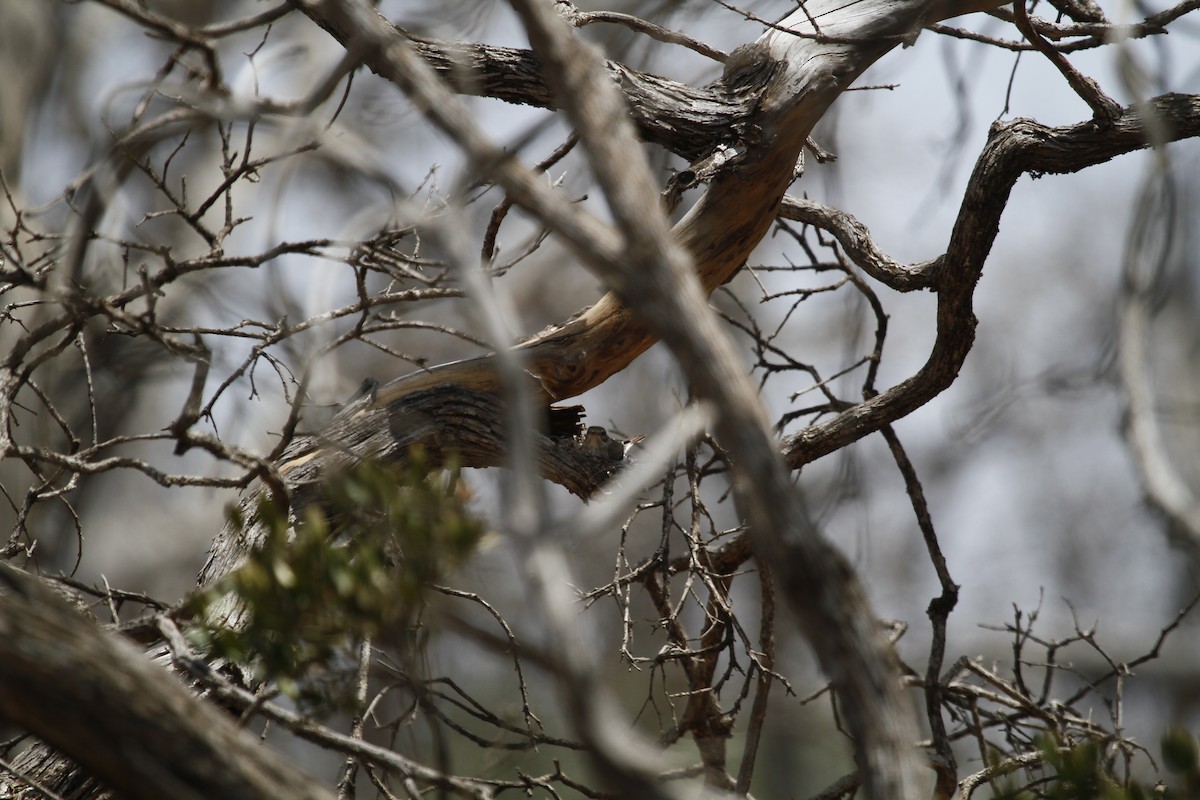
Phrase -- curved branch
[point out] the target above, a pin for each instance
(1013, 149)
(721, 229)
(686, 120)
(856, 240)
(1166, 488)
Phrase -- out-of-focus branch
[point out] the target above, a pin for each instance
(656, 279)
(27, 57)
(83, 690)
(1149, 248)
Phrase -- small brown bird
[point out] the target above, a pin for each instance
(597, 442)
(367, 391)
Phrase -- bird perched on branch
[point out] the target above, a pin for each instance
(597, 442)
(361, 399)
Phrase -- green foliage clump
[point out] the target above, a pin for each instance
(1082, 773)
(355, 566)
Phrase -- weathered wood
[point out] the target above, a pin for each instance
(128, 721)
(447, 420)
(793, 78)
(688, 120)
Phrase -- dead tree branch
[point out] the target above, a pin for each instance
(82, 690)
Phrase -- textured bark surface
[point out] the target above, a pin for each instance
(129, 722)
(793, 82)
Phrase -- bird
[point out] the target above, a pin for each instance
(597, 442)
(361, 399)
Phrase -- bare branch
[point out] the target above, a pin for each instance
(1013, 149)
